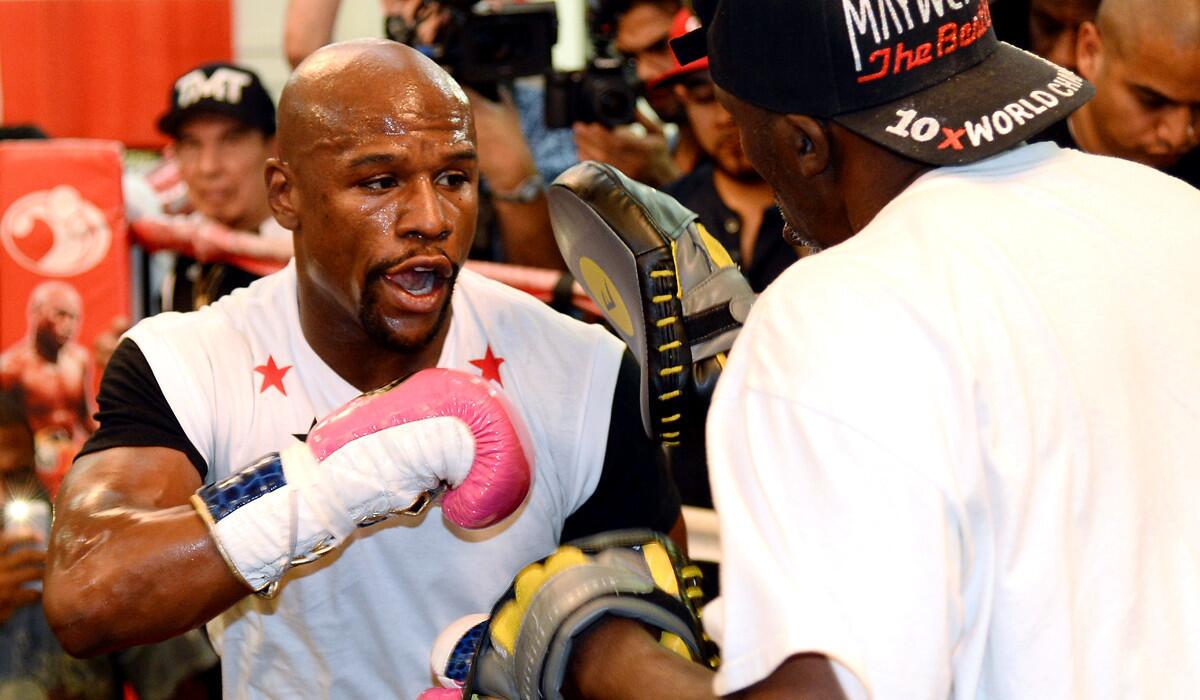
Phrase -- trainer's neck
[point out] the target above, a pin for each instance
(870, 177)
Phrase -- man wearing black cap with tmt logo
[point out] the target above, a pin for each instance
(222, 122)
(954, 453)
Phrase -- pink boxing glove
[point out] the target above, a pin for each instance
(386, 452)
(497, 479)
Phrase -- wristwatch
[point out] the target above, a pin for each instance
(524, 193)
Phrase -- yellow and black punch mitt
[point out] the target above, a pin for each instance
(664, 284)
(522, 650)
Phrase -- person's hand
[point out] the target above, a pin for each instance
(213, 242)
(506, 163)
(424, 19)
(643, 157)
(504, 157)
(522, 649)
(175, 233)
(19, 564)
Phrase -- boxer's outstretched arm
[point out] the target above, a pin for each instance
(130, 559)
(136, 556)
(648, 670)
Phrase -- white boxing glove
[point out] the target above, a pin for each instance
(386, 452)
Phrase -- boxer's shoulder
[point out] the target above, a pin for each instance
(269, 301)
(195, 341)
(234, 318)
(176, 328)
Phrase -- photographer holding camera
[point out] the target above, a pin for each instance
(517, 154)
(639, 30)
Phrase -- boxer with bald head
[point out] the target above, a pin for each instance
(1143, 56)
(346, 144)
(173, 514)
(517, 153)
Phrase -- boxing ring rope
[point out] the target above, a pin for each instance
(539, 282)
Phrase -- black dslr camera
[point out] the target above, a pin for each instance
(482, 46)
(606, 92)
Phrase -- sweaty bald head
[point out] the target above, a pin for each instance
(352, 88)
(378, 179)
(1126, 24)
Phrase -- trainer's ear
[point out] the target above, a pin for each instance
(281, 193)
(810, 140)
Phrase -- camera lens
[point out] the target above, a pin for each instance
(611, 99)
(615, 106)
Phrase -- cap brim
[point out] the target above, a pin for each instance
(675, 75)
(1008, 97)
(170, 122)
(692, 46)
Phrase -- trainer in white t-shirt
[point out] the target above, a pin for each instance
(959, 454)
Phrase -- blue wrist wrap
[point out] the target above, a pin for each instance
(257, 479)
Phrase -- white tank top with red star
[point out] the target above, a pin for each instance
(243, 381)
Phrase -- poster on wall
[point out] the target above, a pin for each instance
(64, 285)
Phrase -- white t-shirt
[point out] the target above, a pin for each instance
(959, 454)
(359, 623)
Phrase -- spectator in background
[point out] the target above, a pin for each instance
(1054, 28)
(641, 30)
(1048, 28)
(54, 375)
(1143, 56)
(222, 125)
(517, 153)
(734, 203)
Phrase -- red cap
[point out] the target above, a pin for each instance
(683, 23)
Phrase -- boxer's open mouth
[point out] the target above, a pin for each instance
(418, 281)
(421, 276)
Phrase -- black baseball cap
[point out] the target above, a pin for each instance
(219, 88)
(927, 79)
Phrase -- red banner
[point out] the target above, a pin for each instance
(64, 283)
(103, 69)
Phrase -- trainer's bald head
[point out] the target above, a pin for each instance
(1127, 24)
(365, 86)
